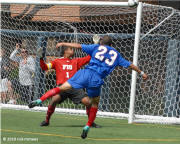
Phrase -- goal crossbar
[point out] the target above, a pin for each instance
(67, 3)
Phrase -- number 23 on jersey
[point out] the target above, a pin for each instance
(102, 51)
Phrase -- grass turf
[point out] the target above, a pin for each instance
(22, 127)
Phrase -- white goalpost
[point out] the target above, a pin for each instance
(148, 35)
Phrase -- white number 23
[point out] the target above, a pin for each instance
(100, 55)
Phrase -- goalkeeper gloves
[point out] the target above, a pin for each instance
(39, 52)
(96, 39)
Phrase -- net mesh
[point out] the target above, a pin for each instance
(43, 26)
(159, 56)
(36, 26)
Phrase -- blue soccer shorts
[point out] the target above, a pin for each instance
(89, 79)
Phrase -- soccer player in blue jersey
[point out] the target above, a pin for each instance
(104, 59)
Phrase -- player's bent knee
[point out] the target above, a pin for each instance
(86, 101)
(95, 101)
(55, 100)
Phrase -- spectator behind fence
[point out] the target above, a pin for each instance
(5, 84)
(24, 86)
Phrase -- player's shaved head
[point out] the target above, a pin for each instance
(67, 51)
(106, 40)
(63, 49)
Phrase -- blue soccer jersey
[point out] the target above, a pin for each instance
(104, 59)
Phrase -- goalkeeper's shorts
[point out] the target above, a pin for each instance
(75, 95)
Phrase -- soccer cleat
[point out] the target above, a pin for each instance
(35, 103)
(94, 125)
(85, 132)
(44, 123)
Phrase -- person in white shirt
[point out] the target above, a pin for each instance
(26, 73)
(5, 84)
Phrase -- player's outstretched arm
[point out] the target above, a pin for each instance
(144, 75)
(73, 45)
(43, 65)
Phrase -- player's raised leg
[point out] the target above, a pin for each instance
(50, 94)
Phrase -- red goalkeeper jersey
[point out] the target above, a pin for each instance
(65, 67)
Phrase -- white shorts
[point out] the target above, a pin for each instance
(4, 85)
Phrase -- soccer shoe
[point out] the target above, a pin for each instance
(85, 132)
(44, 123)
(94, 125)
(35, 103)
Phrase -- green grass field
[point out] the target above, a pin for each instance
(22, 127)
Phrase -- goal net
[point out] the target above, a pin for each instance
(158, 98)
(35, 26)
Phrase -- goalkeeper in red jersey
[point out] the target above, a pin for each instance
(65, 68)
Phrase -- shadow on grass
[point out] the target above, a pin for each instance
(66, 126)
(102, 126)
